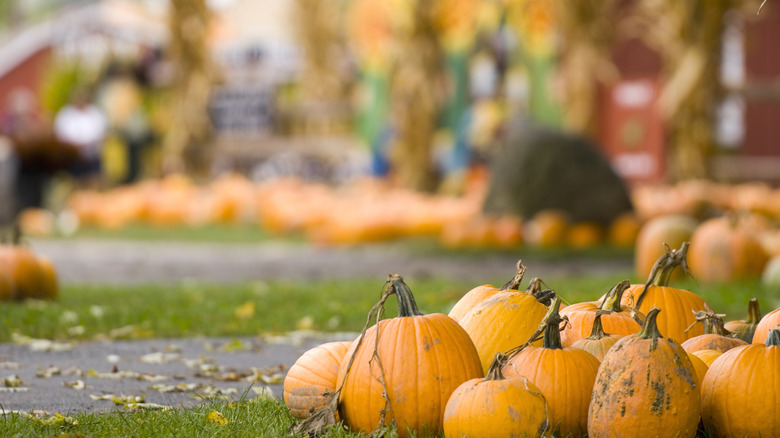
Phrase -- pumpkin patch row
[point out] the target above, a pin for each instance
(644, 360)
(25, 274)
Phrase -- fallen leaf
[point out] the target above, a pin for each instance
(77, 385)
(48, 373)
(12, 381)
(216, 417)
(245, 311)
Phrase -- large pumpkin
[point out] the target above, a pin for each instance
(404, 369)
(770, 321)
(679, 305)
(715, 336)
(312, 379)
(483, 292)
(741, 390)
(496, 406)
(745, 328)
(615, 317)
(646, 386)
(502, 322)
(564, 375)
(722, 250)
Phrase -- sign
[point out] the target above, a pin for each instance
(242, 110)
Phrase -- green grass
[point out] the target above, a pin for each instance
(191, 309)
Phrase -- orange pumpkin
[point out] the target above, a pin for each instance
(483, 292)
(547, 228)
(565, 376)
(699, 366)
(404, 369)
(646, 386)
(24, 271)
(740, 391)
(722, 250)
(623, 231)
(744, 329)
(312, 379)
(616, 318)
(678, 305)
(770, 321)
(496, 406)
(715, 336)
(599, 342)
(708, 356)
(671, 230)
(48, 282)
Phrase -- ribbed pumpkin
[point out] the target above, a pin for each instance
(715, 336)
(615, 318)
(741, 390)
(503, 321)
(599, 342)
(313, 377)
(420, 360)
(745, 328)
(483, 292)
(496, 406)
(564, 375)
(770, 321)
(708, 356)
(722, 250)
(646, 386)
(671, 230)
(678, 305)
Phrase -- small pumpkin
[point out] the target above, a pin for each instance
(404, 369)
(770, 321)
(645, 386)
(48, 282)
(312, 378)
(503, 321)
(679, 305)
(708, 356)
(22, 268)
(715, 336)
(616, 318)
(496, 406)
(483, 292)
(599, 342)
(723, 250)
(564, 375)
(740, 391)
(744, 329)
(699, 366)
(672, 230)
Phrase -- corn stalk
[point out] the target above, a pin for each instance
(588, 31)
(319, 30)
(415, 97)
(187, 144)
(688, 36)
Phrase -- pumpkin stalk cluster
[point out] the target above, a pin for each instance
(663, 267)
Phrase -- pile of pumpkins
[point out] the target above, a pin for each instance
(643, 360)
(25, 274)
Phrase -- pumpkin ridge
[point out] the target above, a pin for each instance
(434, 329)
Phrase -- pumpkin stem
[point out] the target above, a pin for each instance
(597, 332)
(406, 304)
(494, 371)
(546, 297)
(552, 326)
(514, 283)
(754, 312)
(650, 327)
(712, 322)
(773, 338)
(663, 267)
(535, 286)
(614, 296)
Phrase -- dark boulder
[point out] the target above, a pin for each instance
(539, 168)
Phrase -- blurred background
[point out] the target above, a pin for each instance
(477, 122)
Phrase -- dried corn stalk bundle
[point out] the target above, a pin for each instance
(587, 28)
(415, 95)
(319, 31)
(688, 36)
(187, 144)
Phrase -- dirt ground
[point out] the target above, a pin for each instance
(85, 377)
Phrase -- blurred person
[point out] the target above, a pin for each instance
(83, 125)
(35, 151)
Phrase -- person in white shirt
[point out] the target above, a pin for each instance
(84, 126)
